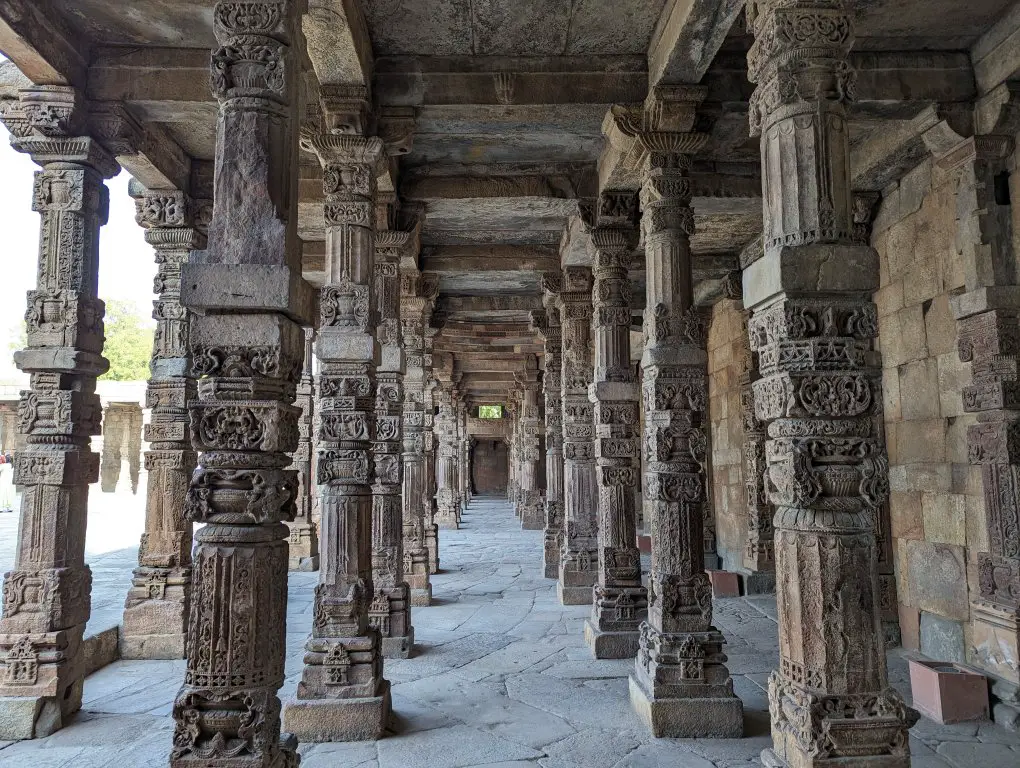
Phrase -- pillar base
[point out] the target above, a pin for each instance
(285, 756)
(421, 598)
(432, 546)
(770, 759)
(757, 582)
(30, 717)
(573, 595)
(322, 720)
(151, 646)
(449, 523)
(398, 647)
(688, 718)
(610, 645)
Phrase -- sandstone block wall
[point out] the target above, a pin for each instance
(936, 507)
(727, 342)
(489, 467)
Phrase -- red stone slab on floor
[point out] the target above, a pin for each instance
(724, 583)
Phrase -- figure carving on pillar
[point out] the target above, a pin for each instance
(247, 355)
(818, 396)
(356, 460)
(579, 552)
(304, 530)
(680, 684)
(47, 596)
(159, 601)
(619, 601)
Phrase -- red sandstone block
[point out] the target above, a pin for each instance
(947, 692)
(724, 583)
(644, 542)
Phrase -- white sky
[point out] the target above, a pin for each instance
(126, 264)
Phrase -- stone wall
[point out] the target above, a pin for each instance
(936, 509)
(489, 467)
(727, 342)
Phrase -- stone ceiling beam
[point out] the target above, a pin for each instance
(996, 54)
(164, 85)
(338, 42)
(34, 37)
(687, 38)
(414, 81)
(461, 259)
(489, 365)
(489, 303)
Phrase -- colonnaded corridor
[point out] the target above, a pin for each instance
(500, 677)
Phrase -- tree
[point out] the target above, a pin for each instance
(128, 344)
(490, 411)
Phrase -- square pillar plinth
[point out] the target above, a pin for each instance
(30, 717)
(330, 720)
(610, 644)
(688, 718)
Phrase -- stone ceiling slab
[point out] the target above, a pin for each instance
(185, 23)
(529, 27)
(613, 26)
(943, 24)
(422, 27)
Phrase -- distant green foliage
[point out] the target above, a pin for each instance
(17, 337)
(490, 411)
(128, 344)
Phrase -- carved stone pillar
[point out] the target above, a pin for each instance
(342, 695)
(579, 550)
(122, 438)
(428, 501)
(513, 413)
(463, 461)
(680, 685)
(247, 348)
(552, 383)
(158, 603)
(390, 612)
(529, 500)
(304, 532)
(47, 596)
(619, 602)
(447, 501)
(819, 394)
(759, 552)
(415, 307)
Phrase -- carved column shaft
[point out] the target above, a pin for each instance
(552, 385)
(304, 531)
(619, 602)
(47, 596)
(579, 553)
(357, 468)
(247, 355)
(156, 611)
(428, 501)
(680, 683)
(447, 494)
(416, 300)
(390, 611)
(818, 395)
(530, 501)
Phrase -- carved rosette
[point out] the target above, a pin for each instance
(46, 600)
(157, 607)
(819, 398)
(579, 550)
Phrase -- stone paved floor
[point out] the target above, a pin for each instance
(501, 678)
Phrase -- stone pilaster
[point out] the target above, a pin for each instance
(304, 531)
(579, 550)
(463, 461)
(416, 298)
(619, 602)
(390, 612)
(158, 603)
(988, 331)
(819, 395)
(552, 384)
(342, 695)
(47, 596)
(680, 685)
(530, 502)
(447, 494)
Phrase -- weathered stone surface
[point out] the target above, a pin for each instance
(941, 638)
